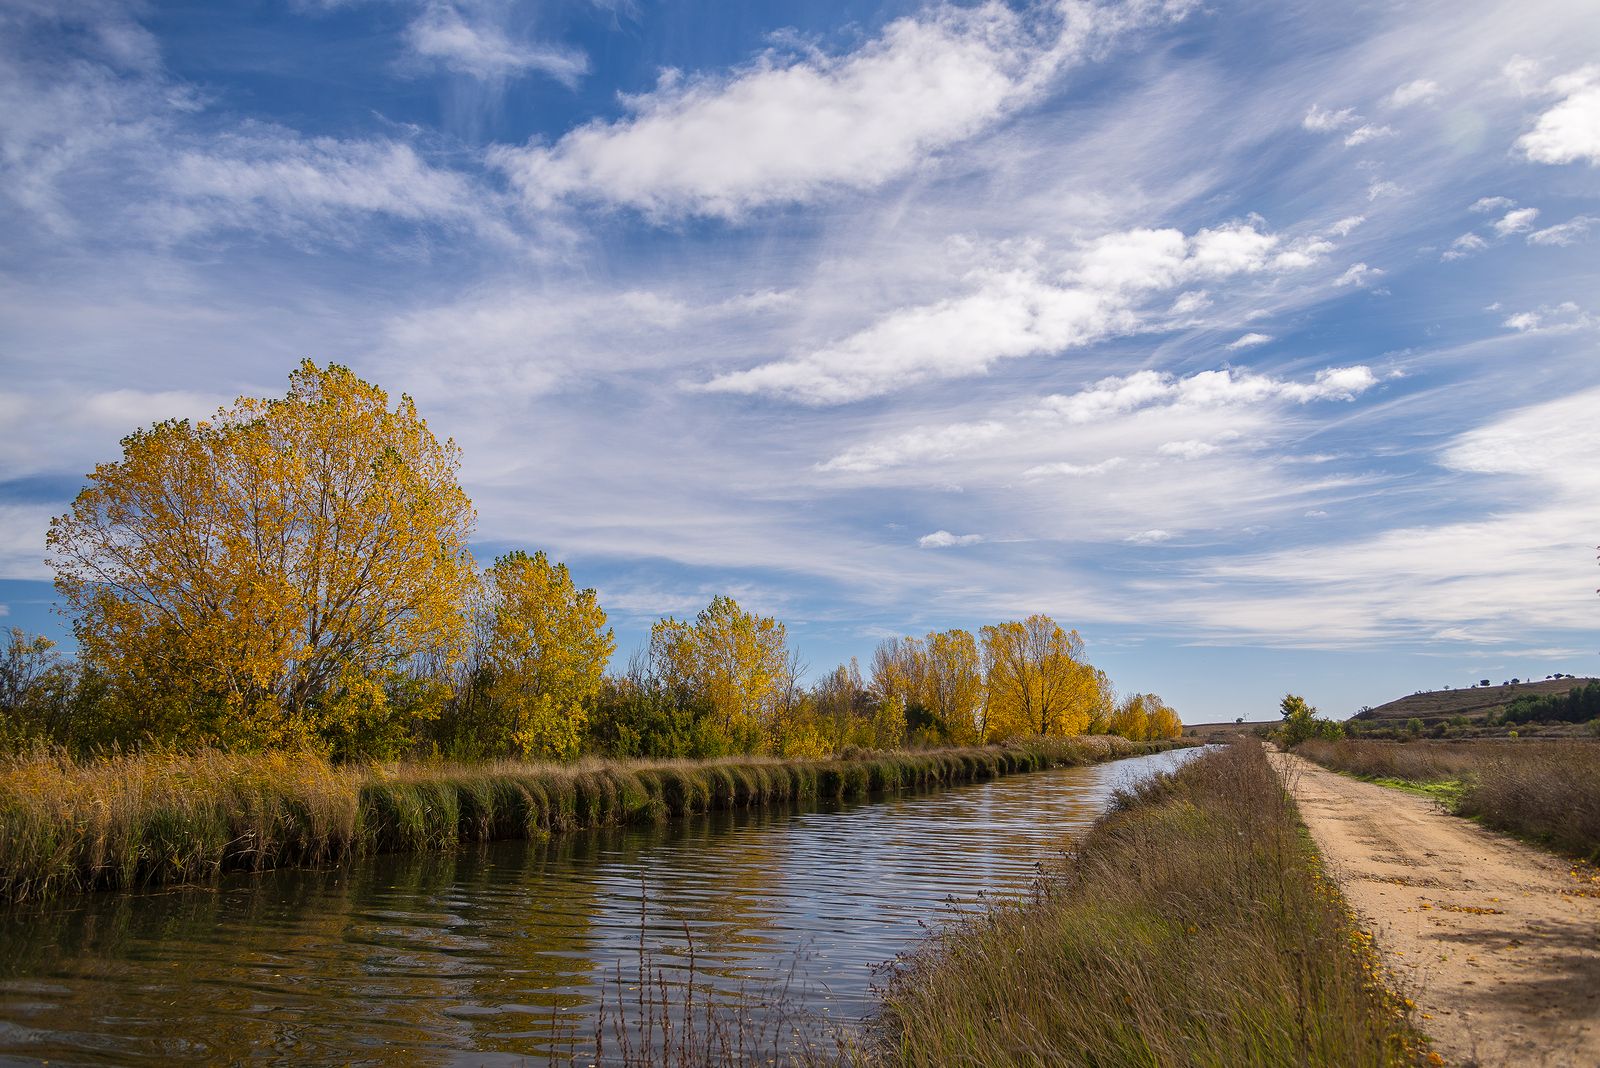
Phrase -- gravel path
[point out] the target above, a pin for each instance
(1498, 942)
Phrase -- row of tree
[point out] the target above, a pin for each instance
(295, 572)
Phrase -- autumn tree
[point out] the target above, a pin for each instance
(952, 684)
(544, 646)
(842, 704)
(1131, 717)
(260, 578)
(1142, 716)
(1038, 681)
(1164, 721)
(898, 668)
(1104, 704)
(734, 661)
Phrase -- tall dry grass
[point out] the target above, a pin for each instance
(1547, 791)
(161, 817)
(1419, 762)
(1193, 927)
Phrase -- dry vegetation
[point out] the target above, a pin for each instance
(1194, 927)
(157, 817)
(1548, 791)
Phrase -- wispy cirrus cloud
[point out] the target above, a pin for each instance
(467, 40)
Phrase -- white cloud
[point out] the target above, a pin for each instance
(1563, 318)
(1421, 91)
(1516, 222)
(943, 539)
(1358, 274)
(916, 446)
(1149, 537)
(1193, 301)
(1367, 132)
(1464, 246)
(1302, 253)
(1568, 233)
(1344, 226)
(1012, 313)
(1071, 470)
(443, 34)
(1569, 131)
(787, 130)
(1383, 189)
(1486, 204)
(1320, 120)
(1141, 393)
(271, 179)
(1249, 341)
(1188, 450)
(1316, 513)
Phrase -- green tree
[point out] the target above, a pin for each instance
(1300, 722)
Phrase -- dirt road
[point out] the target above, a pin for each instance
(1498, 943)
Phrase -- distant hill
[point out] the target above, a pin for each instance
(1474, 702)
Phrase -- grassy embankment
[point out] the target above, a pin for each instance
(1194, 926)
(1546, 791)
(149, 818)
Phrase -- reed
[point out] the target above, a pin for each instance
(160, 816)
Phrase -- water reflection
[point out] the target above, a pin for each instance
(499, 955)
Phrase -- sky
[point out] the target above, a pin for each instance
(1256, 341)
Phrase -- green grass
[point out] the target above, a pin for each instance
(1194, 926)
(165, 817)
(1446, 791)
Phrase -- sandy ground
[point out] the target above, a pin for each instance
(1498, 942)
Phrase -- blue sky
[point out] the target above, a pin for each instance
(1256, 341)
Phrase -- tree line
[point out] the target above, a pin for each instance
(294, 572)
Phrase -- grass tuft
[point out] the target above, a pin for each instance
(159, 816)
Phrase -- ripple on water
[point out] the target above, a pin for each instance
(496, 954)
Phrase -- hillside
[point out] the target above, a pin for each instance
(1473, 702)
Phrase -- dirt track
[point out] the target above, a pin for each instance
(1498, 943)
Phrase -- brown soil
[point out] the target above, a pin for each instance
(1497, 942)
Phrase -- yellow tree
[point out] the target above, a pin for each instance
(843, 705)
(1105, 704)
(1036, 679)
(899, 666)
(736, 662)
(546, 649)
(952, 684)
(1131, 718)
(1164, 721)
(259, 578)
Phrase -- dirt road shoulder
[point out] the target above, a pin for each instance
(1498, 942)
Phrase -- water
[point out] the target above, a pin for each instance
(502, 955)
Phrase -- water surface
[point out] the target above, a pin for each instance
(502, 955)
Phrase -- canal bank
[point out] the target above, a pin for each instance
(502, 954)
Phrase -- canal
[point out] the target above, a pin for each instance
(505, 954)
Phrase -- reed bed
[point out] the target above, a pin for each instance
(145, 818)
(1194, 926)
(1546, 791)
